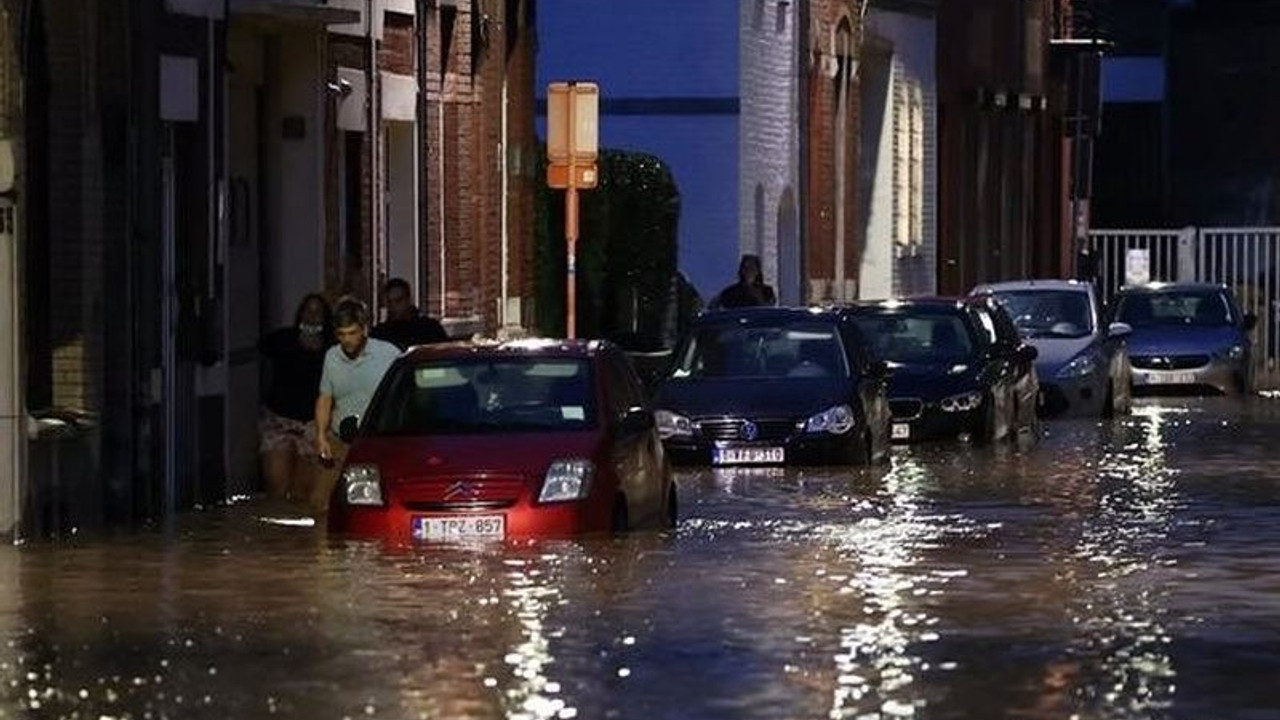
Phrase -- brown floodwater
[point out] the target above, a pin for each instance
(1123, 569)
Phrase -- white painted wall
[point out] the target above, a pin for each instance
(296, 183)
(889, 270)
(768, 133)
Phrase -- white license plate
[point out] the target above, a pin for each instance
(1182, 378)
(749, 456)
(901, 431)
(463, 527)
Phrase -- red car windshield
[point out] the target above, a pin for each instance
(466, 396)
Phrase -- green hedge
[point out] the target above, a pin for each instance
(626, 250)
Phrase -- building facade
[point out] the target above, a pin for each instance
(191, 169)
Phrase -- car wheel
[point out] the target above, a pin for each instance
(621, 520)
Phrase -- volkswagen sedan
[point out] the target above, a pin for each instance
(774, 386)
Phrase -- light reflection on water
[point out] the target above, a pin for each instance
(1118, 570)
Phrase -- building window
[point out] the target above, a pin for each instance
(908, 159)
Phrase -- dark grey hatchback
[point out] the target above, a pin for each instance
(774, 386)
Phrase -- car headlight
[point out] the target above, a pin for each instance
(672, 425)
(1079, 367)
(567, 480)
(1235, 352)
(837, 420)
(363, 485)
(964, 402)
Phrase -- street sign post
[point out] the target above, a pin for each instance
(572, 152)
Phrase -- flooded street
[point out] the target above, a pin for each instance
(1116, 570)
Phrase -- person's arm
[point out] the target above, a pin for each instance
(324, 413)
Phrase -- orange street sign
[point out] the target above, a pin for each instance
(584, 176)
(573, 120)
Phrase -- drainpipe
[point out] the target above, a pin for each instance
(13, 425)
(506, 187)
(373, 100)
(842, 116)
(443, 270)
(802, 133)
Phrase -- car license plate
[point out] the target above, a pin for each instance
(1182, 378)
(462, 527)
(901, 431)
(749, 456)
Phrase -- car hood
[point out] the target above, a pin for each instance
(450, 456)
(1053, 353)
(933, 381)
(757, 398)
(1182, 339)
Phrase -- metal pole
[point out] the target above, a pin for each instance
(571, 237)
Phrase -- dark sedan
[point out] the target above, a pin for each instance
(773, 386)
(952, 377)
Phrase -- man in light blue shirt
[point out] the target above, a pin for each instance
(352, 370)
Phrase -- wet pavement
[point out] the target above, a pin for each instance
(1128, 569)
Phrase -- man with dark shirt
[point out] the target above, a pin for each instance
(406, 326)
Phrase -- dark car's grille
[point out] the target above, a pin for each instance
(906, 408)
(1169, 362)
(735, 429)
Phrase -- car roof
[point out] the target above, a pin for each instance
(1171, 287)
(770, 313)
(525, 347)
(928, 302)
(1046, 284)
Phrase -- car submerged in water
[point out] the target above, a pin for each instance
(1187, 337)
(774, 386)
(484, 441)
(1082, 361)
(953, 375)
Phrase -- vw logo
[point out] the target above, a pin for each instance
(749, 430)
(461, 490)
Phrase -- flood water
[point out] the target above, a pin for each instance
(1128, 569)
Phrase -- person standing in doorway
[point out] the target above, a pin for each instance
(352, 370)
(294, 357)
(406, 325)
(750, 290)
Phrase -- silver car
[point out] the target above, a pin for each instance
(1083, 364)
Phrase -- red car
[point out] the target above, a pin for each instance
(489, 441)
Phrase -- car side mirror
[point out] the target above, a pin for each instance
(1027, 353)
(1250, 322)
(1119, 330)
(635, 421)
(347, 428)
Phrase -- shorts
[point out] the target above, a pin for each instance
(277, 431)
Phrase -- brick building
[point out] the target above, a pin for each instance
(1003, 172)
(190, 169)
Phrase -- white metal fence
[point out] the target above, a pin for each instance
(1245, 259)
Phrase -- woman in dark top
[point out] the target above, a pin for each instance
(295, 358)
(750, 290)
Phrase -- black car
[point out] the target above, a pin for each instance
(953, 373)
(773, 386)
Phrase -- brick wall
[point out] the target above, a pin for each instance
(464, 181)
(821, 107)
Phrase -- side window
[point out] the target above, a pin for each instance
(856, 347)
(982, 318)
(623, 387)
(1005, 329)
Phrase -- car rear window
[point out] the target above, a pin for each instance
(736, 350)
(1176, 307)
(914, 339)
(486, 395)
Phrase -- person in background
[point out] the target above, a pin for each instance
(295, 356)
(352, 370)
(750, 290)
(406, 325)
